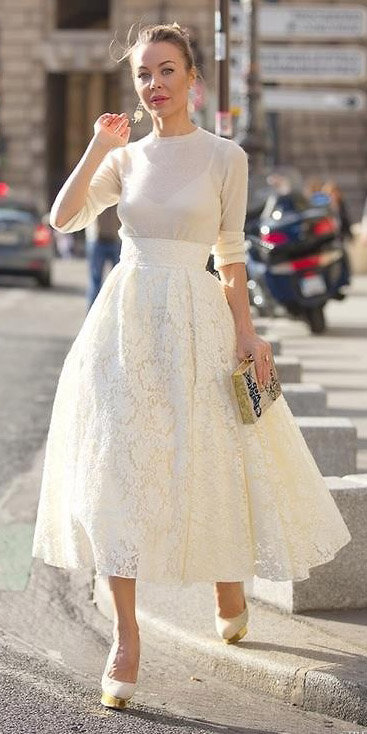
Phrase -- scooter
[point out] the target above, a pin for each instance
(298, 257)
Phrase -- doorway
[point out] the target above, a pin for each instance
(74, 102)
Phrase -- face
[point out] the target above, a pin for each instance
(159, 72)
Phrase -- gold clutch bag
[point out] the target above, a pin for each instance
(252, 401)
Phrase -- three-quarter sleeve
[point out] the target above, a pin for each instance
(230, 245)
(104, 191)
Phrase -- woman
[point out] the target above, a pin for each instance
(149, 472)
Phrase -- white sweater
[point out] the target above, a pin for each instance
(187, 187)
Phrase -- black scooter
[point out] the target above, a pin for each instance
(296, 258)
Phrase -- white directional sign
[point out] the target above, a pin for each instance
(310, 63)
(312, 21)
(278, 98)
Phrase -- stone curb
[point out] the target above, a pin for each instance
(311, 686)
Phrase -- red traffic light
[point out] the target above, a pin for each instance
(4, 188)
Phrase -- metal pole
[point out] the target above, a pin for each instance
(254, 138)
(223, 117)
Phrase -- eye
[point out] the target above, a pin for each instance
(167, 69)
(142, 73)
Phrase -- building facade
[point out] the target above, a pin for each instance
(57, 76)
(313, 60)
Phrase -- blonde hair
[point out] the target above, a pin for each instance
(171, 32)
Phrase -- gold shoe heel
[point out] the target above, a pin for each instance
(112, 702)
(115, 694)
(232, 630)
(238, 636)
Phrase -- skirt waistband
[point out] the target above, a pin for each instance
(163, 252)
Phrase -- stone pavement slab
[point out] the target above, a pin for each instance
(332, 442)
(305, 399)
(336, 360)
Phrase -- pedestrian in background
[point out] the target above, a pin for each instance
(64, 244)
(313, 190)
(103, 246)
(339, 207)
(150, 473)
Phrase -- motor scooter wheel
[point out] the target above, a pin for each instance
(316, 319)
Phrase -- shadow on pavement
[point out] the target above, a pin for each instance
(334, 657)
(347, 332)
(196, 724)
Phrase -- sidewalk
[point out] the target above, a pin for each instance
(317, 661)
(337, 360)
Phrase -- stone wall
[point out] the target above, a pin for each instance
(22, 106)
(31, 48)
(330, 146)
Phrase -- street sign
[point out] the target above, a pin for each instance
(315, 100)
(312, 21)
(310, 63)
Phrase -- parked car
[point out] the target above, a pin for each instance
(26, 243)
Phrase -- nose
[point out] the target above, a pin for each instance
(155, 84)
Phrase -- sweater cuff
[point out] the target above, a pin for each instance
(229, 248)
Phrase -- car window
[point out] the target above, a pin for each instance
(16, 216)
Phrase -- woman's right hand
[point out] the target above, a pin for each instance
(112, 130)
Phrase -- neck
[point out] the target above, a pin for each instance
(167, 126)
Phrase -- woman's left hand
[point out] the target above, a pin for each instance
(261, 352)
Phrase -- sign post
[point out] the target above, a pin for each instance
(223, 117)
(254, 138)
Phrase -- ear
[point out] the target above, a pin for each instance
(192, 76)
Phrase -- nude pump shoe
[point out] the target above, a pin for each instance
(115, 693)
(232, 629)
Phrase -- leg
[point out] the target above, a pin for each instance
(126, 631)
(95, 263)
(115, 253)
(112, 250)
(229, 598)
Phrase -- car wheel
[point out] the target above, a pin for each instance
(44, 279)
(316, 319)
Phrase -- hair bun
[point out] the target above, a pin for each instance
(184, 32)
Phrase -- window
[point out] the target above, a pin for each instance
(82, 14)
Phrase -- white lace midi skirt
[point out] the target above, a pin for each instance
(149, 471)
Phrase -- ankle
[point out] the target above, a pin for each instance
(230, 599)
(125, 630)
(227, 611)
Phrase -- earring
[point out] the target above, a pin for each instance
(190, 103)
(139, 112)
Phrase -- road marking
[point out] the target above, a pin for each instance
(15, 555)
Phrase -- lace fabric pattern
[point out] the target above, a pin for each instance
(149, 471)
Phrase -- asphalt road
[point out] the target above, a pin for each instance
(53, 641)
